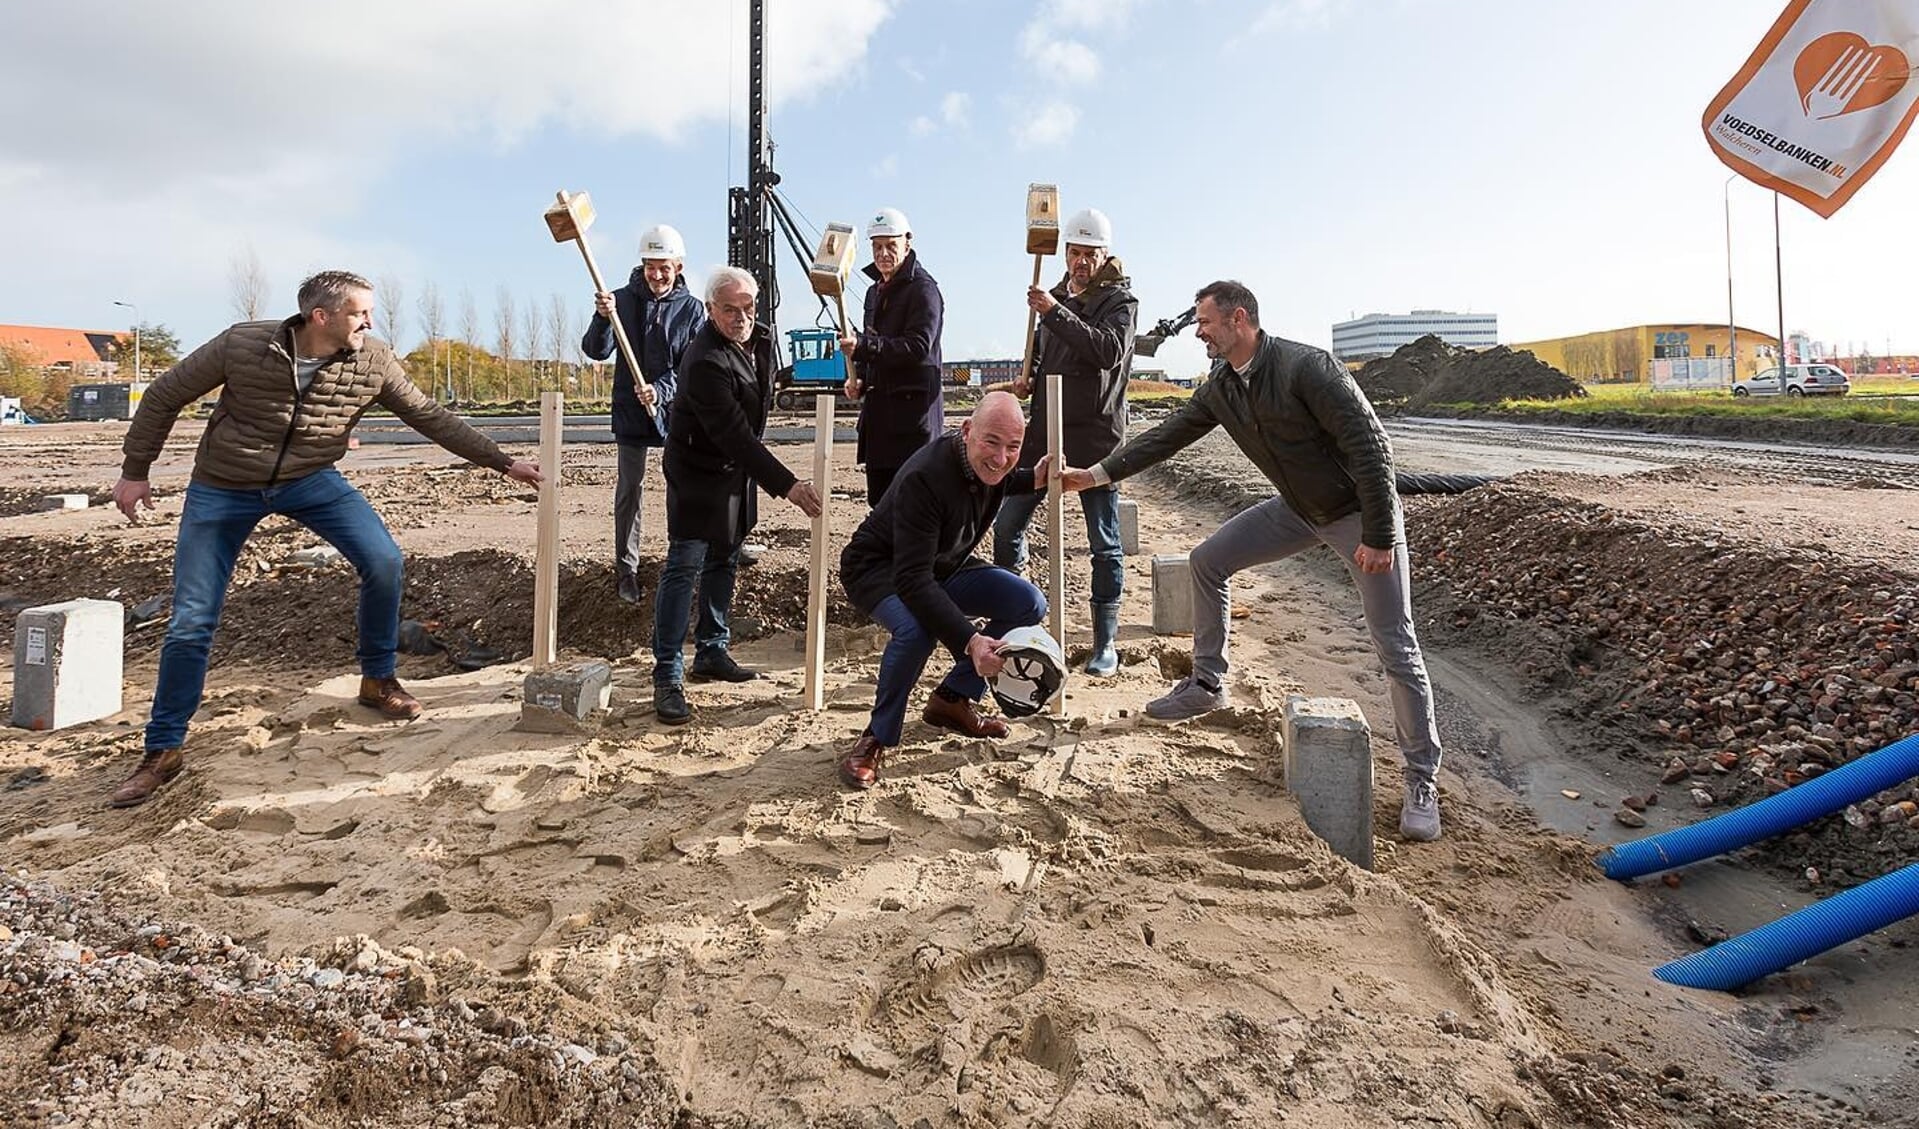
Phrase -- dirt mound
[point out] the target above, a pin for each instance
(1429, 371)
(1733, 669)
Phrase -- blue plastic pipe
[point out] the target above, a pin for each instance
(1797, 936)
(1820, 796)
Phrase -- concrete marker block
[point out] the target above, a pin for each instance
(64, 502)
(561, 699)
(67, 663)
(1129, 527)
(1327, 760)
(1172, 594)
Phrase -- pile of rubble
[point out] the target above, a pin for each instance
(1429, 372)
(1735, 669)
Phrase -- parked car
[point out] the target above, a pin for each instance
(1801, 380)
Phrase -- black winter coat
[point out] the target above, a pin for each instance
(923, 531)
(1088, 340)
(898, 361)
(660, 330)
(714, 447)
(1302, 420)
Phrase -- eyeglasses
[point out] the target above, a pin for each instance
(745, 311)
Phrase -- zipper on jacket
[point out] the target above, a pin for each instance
(299, 398)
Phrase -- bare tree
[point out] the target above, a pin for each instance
(469, 332)
(558, 329)
(531, 328)
(247, 282)
(391, 309)
(432, 323)
(503, 335)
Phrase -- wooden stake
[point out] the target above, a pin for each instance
(546, 557)
(822, 547)
(1056, 527)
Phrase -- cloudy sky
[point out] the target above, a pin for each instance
(1538, 159)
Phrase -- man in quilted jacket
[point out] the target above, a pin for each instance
(290, 391)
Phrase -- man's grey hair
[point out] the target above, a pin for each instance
(328, 290)
(1229, 295)
(723, 277)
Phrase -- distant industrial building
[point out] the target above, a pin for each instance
(86, 353)
(1377, 335)
(978, 373)
(1628, 356)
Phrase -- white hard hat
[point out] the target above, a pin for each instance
(888, 221)
(662, 242)
(1089, 228)
(1034, 672)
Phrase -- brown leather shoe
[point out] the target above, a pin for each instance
(860, 767)
(156, 768)
(386, 695)
(961, 717)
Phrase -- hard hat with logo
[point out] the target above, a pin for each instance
(1089, 228)
(1034, 672)
(662, 242)
(888, 221)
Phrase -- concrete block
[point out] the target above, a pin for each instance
(319, 556)
(64, 502)
(559, 698)
(1172, 594)
(1328, 766)
(1129, 527)
(66, 663)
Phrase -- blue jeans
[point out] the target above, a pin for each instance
(1100, 507)
(213, 527)
(712, 568)
(1005, 601)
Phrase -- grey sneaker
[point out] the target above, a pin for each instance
(1419, 814)
(1188, 699)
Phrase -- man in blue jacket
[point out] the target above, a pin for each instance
(896, 358)
(660, 315)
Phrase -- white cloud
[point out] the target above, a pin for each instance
(1298, 15)
(1090, 15)
(922, 126)
(887, 167)
(1063, 60)
(954, 109)
(1051, 125)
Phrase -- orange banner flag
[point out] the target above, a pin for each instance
(1823, 102)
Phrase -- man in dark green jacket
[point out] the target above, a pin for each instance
(1297, 413)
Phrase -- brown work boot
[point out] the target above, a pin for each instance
(156, 768)
(961, 717)
(860, 767)
(387, 696)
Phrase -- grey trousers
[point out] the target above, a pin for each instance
(626, 508)
(1271, 531)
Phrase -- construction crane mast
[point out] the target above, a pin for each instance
(749, 226)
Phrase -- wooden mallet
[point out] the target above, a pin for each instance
(568, 220)
(1042, 239)
(830, 269)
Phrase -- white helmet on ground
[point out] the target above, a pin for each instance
(1089, 228)
(662, 242)
(888, 221)
(1035, 671)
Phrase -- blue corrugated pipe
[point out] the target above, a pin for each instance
(1793, 938)
(1820, 796)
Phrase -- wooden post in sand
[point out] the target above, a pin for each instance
(1055, 528)
(831, 267)
(546, 556)
(1042, 239)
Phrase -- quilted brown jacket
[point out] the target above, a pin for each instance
(265, 430)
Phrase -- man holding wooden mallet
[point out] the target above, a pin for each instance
(660, 316)
(1086, 335)
(290, 392)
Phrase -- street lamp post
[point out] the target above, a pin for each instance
(136, 337)
(1732, 327)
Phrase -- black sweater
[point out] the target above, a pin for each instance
(923, 531)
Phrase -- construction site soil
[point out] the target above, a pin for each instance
(334, 920)
(1429, 371)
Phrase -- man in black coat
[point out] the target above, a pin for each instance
(1085, 334)
(660, 316)
(910, 566)
(897, 358)
(714, 456)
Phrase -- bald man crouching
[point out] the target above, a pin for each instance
(910, 567)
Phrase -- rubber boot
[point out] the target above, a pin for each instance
(1105, 659)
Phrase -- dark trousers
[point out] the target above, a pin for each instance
(1004, 600)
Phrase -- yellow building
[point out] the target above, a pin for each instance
(1623, 356)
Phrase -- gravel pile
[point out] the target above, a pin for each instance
(1736, 670)
(1429, 372)
(107, 1021)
